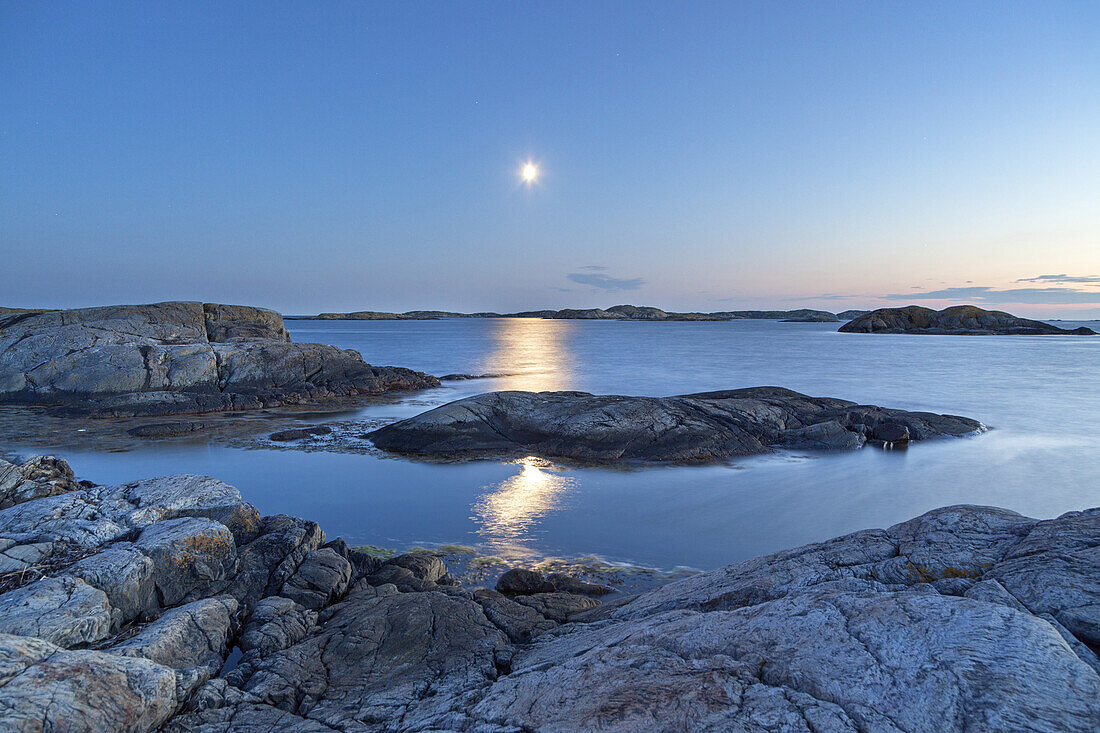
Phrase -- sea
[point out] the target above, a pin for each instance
(1039, 396)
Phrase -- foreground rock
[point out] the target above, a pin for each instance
(175, 358)
(702, 427)
(961, 320)
(966, 618)
(963, 619)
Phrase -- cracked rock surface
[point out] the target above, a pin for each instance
(709, 426)
(966, 618)
(176, 358)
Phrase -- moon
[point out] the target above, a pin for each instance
(529, 173)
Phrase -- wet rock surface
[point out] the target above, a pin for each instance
(959, 320)
(176, 358)
(709, 426)
(965, 618)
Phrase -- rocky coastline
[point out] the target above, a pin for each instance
(959, 320)
(614, 313)
(177, 358)
(171, 604)
(710, 426)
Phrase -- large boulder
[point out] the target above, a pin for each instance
(64, 611)
(957, 320)
(46, 688)
(173, 358)
(698, 427)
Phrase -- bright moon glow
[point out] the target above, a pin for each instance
(530, 172)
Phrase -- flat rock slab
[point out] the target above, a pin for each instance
(710, 426)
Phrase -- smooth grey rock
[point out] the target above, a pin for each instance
(422, 565)
(824, 436)
(519, 581)
(45, 688)
(191, 635)
(818, 660)
(520, 622)
(175, 358)
(322, 577)
(558, 606)
(569, 584)
(699, 427)
(402, 578)
(64, 611)
(188, 554)
(77, 519)
(126, 575)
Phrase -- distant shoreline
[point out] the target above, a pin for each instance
(614, 313)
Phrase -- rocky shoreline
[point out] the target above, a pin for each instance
(614, 313)
(177, 358)
(171, 604)
(710, 426)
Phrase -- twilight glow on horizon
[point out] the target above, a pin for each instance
(465, 156)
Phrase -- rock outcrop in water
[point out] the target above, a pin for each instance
(121, 605)
(962, 320)
(709, 426)
(171, 358)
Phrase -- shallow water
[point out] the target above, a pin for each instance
(1041, 396)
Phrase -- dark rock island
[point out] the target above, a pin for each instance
(174, 358)
(961, 320)
(170, 604)
(709, 426)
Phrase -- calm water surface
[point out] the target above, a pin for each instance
(1041, 396)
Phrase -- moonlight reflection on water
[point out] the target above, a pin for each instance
(508, 513)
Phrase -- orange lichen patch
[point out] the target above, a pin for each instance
(200, 546)
(921, 574)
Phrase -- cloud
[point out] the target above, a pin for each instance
(1060, 279)
(606, 282)
(563, 290)
(983, 294)
(592, 267)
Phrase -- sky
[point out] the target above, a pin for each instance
(693, 156)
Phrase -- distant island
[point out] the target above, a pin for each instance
(614, 313)
(958, 320)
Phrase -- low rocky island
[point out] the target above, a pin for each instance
(614, 313)
(177, 358)
(709, 426)
(959, 320)
(171, 604)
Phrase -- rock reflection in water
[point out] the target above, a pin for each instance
(508, 514)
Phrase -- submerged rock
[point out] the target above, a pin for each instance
(699, 427)
(176, 358)
(300, 433)
(965, 618)
(960, 320)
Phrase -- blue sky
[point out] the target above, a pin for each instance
(703, 156)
